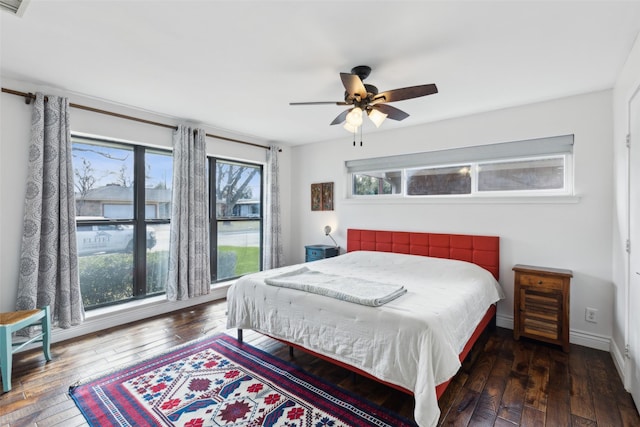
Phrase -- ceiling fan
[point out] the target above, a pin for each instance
(365, 98)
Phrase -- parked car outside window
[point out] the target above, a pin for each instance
(93, 239)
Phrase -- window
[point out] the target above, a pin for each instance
(236, 218)
(439, 181)
(545, 173)
(123, 211)
(525, 168)
(377, 183)
(158, 177)
(123, 216)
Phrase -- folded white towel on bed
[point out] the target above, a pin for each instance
(345, 288)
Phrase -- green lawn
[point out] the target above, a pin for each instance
(248, 258)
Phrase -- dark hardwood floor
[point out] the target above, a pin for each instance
(503, 382)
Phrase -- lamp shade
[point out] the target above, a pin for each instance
(327, 232)
(350, 128)
(377, 116)
(355, 117)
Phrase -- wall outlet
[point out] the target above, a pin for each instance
(591, 315)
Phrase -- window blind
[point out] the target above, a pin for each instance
(562, 144)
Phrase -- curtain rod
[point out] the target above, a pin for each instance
(29, 96)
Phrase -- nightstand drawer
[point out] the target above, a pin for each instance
(313, 254)
(544, 282)
(316, 252)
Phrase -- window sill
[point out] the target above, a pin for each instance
(457, 200)
(127, 306)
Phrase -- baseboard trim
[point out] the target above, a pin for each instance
(586, 339)
(504, 321)
(620, 363)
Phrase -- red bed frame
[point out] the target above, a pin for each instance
(481, 250)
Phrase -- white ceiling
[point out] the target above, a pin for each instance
(236, 65)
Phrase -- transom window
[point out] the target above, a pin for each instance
(546, 173)
(375, 183)
(522, 168)
(439, 180)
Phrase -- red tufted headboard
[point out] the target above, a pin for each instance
(481, 250)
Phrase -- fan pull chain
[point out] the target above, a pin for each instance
(354, 136)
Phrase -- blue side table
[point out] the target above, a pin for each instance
(316, 252)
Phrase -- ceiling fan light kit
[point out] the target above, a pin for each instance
(365, 97)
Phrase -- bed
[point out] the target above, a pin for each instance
(415, 342)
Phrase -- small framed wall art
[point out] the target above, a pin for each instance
(322, 196)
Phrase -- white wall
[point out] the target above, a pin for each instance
(628, 82)
(572, 233)
(15, 130)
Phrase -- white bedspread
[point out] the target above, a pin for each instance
(412, 341)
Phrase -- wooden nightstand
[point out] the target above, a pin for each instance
(316, 252)
(541, 304)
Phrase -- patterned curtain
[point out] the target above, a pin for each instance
(49, 258)
(189, 268)
(273, 236)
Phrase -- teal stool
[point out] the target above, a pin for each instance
(14, 321)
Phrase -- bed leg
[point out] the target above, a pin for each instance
(493, 325)
(240, 335)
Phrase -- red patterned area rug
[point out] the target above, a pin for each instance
(220, 382)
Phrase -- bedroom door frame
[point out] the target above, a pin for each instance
(632, 350)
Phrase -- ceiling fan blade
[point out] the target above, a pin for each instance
(353, 85)
(319, 103)
(341, 117)
(405, 93)
(391, 112)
